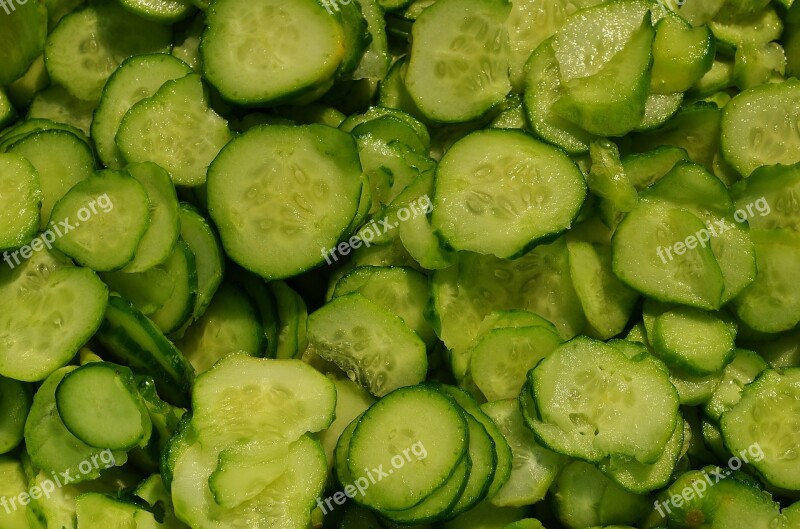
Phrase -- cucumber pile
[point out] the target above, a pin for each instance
(374, 264)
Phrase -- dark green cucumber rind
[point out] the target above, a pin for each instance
(158, 358)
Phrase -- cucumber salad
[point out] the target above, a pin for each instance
(384, 264)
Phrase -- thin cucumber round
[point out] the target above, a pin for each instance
(19, 204)
(119, 421)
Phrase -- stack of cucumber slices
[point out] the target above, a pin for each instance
(383, 264)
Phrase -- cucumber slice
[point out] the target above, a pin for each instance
(682, 55)
(62, 160)
(399, 422)
(136, 78)
(768, 197)
(209, 258)
(584, 497)
(529, 23)
(501, 359)
(529, 191)
(351, 401)
(15, 403)
(286, 502)
(298, 204)
(402, 291)
(276, 399)
(249, 66)
(440, 503)
(52, 447)
(292, 316)
(373, 346)
(162, 233)
(13, 482)
(19, 204)
(641, 478)
(230, 324)
(166, 129)
(23, 29)
(589, 103)
(504, 456)
(759, 127)
(760, 425)
(693, 340)
(458, 71)
(693, 278)
(55, 311)
(606, 301)
(771, 303)
(543, 88)
(148, 290)
(177, 309)
(135, 341)
(88, 45)
(97, 511)
(119, 421)
(658, 109)
(58, 105)
(743, 369)
(89, 232)
(535, 467)
(245, 470)
(591, 427)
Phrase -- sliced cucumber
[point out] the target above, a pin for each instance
(693, 340)
(499, 192)
(15, 403)
(373, 346)
(119, 421)
(19, 204)
(202, 239)
(299, 204)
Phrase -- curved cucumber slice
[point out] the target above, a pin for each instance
(176, 129)
(639, 259)
(275, 399)
(607, 393)
(15, 403)
(440, 503)
(136, 78)
(761, 126)
(55, 313)
(458, 67)
(177, 309)
(88, 45)
(681, 55)
(373, 346)
(162, 232)
(690, 339)
(23, 29)
(295, 189)
(118, 421)
(209, 258)
(20, 201)
(400, 421)
(744, 368)
(769, 197)
(764, 419)
(88, 230)
(247, 47)
(501, 191)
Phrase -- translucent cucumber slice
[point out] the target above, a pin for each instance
(100, 221)
(373, 346)
(56, 310)
(640, 260)
(296, 189)
(744, 368)
(658, 109)
(177, 309)
(202, 239)
(248, 64)
(681, 55)
(57, 104)
(403, 291)
(245, 470)
(534, 468)
(285, 503)
(163, 11)
(771, 303)
(542, 90)
(88, 45)
(242, 398)
(693, 340)
(19, 200)
(136, 78)
(761, 126)
(176, 129)
(458, 67)
(761, 425)
(23, 29)
(607, 393)
(499, 192)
